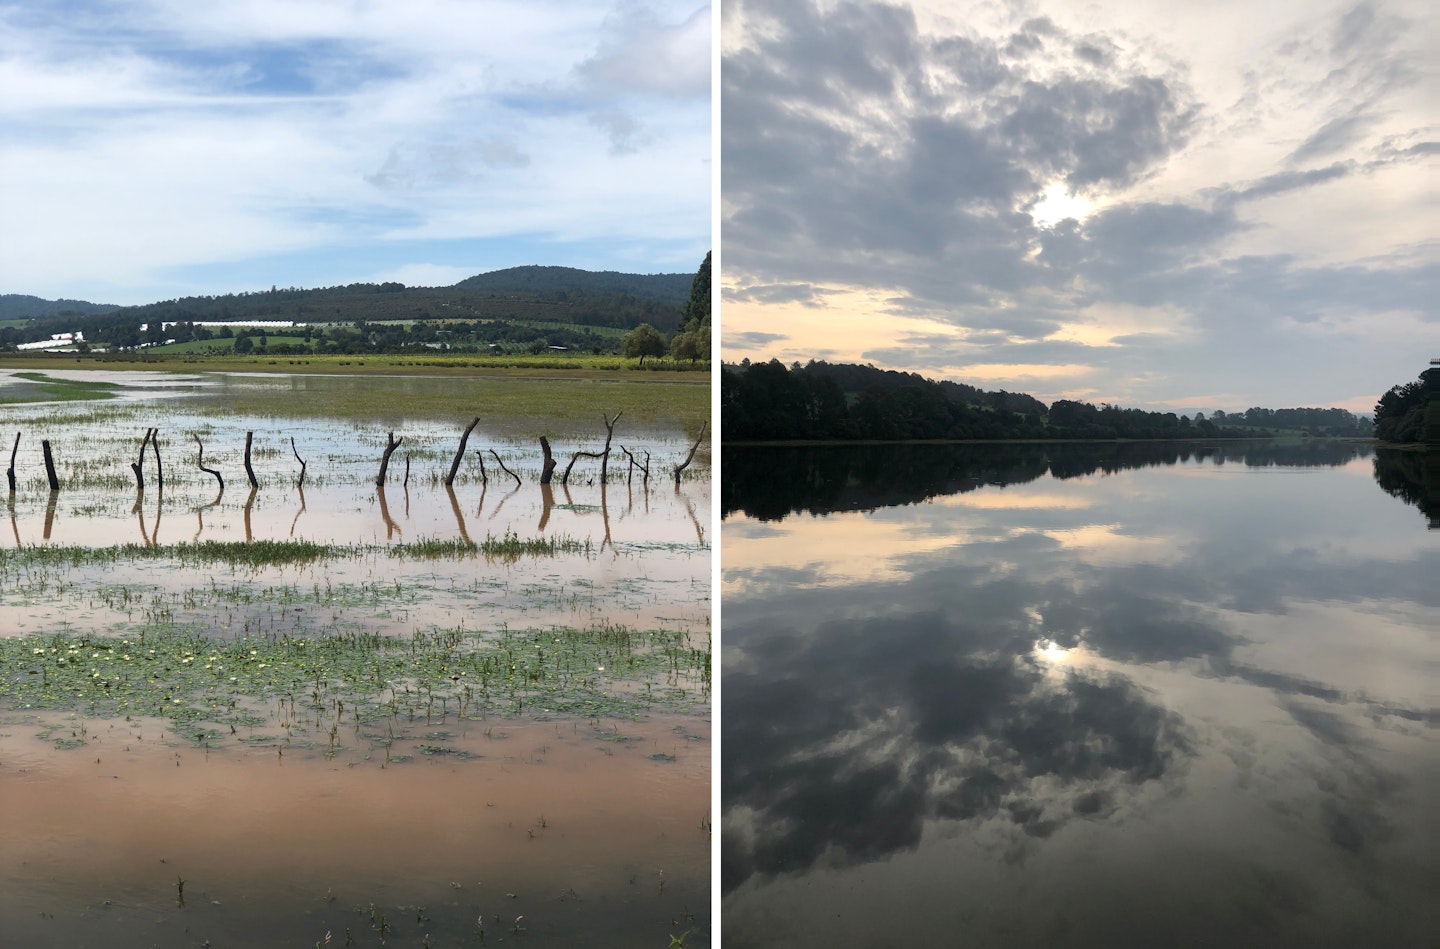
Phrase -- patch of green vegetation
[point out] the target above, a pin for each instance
(269, 553)
(39, 387)
(521, 395)
(206, 687)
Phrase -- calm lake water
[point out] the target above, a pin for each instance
(1082, 696)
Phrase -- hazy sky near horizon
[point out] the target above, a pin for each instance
(160, 148)
(1183, 204)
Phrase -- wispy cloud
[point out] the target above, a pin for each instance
(150, 143)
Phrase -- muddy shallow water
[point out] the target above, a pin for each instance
(511, 718)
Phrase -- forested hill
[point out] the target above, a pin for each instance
(664, 287)
(528, 295)
(844, 402)
(19, 306)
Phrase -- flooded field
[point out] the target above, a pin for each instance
(413, 714)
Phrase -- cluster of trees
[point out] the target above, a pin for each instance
(1339, 423)
(1410, 412)
(768, 402)
(692, 338)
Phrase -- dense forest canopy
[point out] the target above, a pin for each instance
(1410, 412)
(846, 402)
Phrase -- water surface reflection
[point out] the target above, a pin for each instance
(1130, 696)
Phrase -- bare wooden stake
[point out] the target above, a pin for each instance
(501, 463)
(301, 483)
(249, 471)
(10, 474)
(460, 452)
(548, 469)
(690, 457)
(391, 443)
(200, 462)
(484, 477)
(49, 468)
(406, 482)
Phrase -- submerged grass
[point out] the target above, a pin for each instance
(308, 688)
(39, 387)
(269, 553)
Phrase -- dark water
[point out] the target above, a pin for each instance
(1079, 696)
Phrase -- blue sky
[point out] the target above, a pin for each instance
(1187, 204)
(160, 148)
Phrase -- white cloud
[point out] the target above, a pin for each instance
(153, 136)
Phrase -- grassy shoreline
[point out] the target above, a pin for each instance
(663, 370)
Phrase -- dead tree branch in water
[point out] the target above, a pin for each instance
(10, 474)
(249, 471)
(690, 457)
(501, 463)
(604, 455)
(49, 469)
(547, 470)
(460, 452)
(159, 469)
(301, 483)
(609, 434)
(201, 463)
(644, 468)
(391, 444)
(138, 465)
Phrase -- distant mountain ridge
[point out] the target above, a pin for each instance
(21, 306)
(668, 288)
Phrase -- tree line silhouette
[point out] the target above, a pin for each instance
(844, 402)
